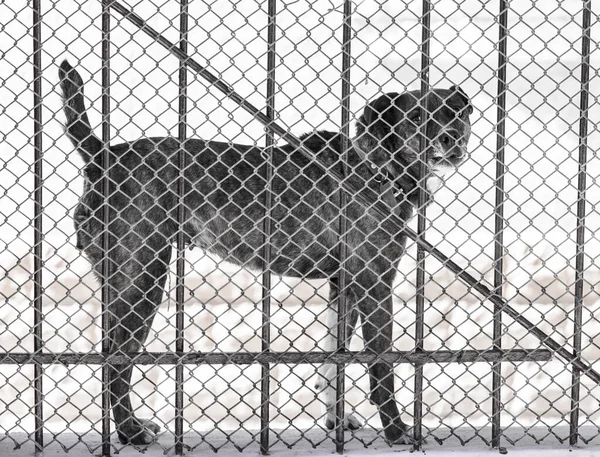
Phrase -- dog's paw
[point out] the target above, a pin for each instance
(398, 433)
(152, 426)
(350, 422)
(320, 384)
(404, 439)
(137, 432)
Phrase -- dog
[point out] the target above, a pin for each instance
(225, 187)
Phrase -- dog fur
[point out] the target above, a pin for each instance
(225, 187)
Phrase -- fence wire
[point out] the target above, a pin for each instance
(495, 302)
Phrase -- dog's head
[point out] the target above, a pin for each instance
(387, 133)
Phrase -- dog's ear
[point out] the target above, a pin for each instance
(384, 113)
(459, 100)
(376, 140)
(381, 115)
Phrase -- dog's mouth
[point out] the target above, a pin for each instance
(452, 159)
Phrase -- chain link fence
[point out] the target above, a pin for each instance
(497, 345)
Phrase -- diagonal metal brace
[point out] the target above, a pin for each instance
(378, 207)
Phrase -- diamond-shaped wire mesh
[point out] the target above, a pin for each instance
(51, 321)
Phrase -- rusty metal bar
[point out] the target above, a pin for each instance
(180, 281)
(581, 196)
(38, 234)
(499, 216)
(377, 207)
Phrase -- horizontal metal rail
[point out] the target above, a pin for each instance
(378, 207)
(240, 358)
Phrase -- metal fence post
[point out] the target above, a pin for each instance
(265, 385)
(422, 218)
(106, 267)
(180, 283)
(581, 200)
(38, 233)
(499, 217)
(343, 279)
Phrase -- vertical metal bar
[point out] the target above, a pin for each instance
(38, 343)
(581, 186)
(180, 282)
(499, 217)
(265, 386)
(106, 295)
(421, 221)
(343, 278)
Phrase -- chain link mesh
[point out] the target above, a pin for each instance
(222, 402)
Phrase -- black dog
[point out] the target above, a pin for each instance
(225, 191)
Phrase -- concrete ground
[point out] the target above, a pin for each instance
(317, 443)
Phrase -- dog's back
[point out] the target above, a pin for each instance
(225, 190)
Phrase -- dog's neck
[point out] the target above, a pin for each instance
(406, 185)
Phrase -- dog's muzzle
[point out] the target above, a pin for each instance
(449, 150)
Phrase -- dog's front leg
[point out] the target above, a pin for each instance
(376, 313)
(325, 383)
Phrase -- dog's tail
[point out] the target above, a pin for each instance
(78, 126)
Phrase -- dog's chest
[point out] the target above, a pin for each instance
(433, 184)
(435, 180)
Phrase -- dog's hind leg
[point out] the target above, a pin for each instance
(325, 383)
(137, 285)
